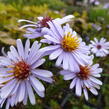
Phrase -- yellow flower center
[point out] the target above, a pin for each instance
(84, 72)
(21, 70)
(70, 43)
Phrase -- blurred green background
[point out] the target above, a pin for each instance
(90, 21)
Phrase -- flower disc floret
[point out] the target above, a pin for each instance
(21, 70)
(44, 21)
(84, 72)
(99, 46)
(70, 43)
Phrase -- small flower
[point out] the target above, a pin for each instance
(97, 27)
(106, 6)
(99, 48)
(11, 101)
(66, 46)
(35, 29)
(94, 2)
(84, 80)
(19, 73)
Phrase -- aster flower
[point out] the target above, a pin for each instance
(99, 48)
(84, 80)
(19, 73)
(94, 2)
(67, 47)
(11, 101)
(106, 6)
(97, 27)
(35, 29)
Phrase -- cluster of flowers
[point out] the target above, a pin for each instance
(19, 69)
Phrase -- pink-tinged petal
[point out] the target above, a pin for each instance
(2, 101)
(16, 88)
(37, 84)
(74, 67)
(52, 39)
(85, 93)
(33, 35)
(55, 54)
(14, 52)
(35, 58)
(55, 33)
(37, 63)
(26, 98)
(65, 61)
(95, 80)
(97, 71)
(96, 75)
(45, 41)
(27, 47)
(4, 61)
(50, 48)
(94, 67)
(28, 25)
(96, 40)
(8, 88)
(78, 58)
(12, 100)
(30, 93)
(59, 60)
(69, 76)
(78, 88)
(86, 83)
(94, 91)
(96, 85)
(20, 48)
(73, 83)
(58, 28)
(47, 31)
(11, 57)
(3, 80)
(46, 79)
(65, 72)
(42, 73)
(21, 91)
(40, 93)
(35, 47)
(17, 97)
(67, 29)
(64, 19)
(81, 58)
(7, 105)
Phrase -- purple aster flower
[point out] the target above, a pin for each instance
(94, 2)
(99, 48)
(84, 80)
(66, 46)
(20, 73)
(35, 29)
(106, 6)
(97, 27)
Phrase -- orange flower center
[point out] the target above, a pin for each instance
(21, 70)
(70, 43)
(44, 21)
(84, 72)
